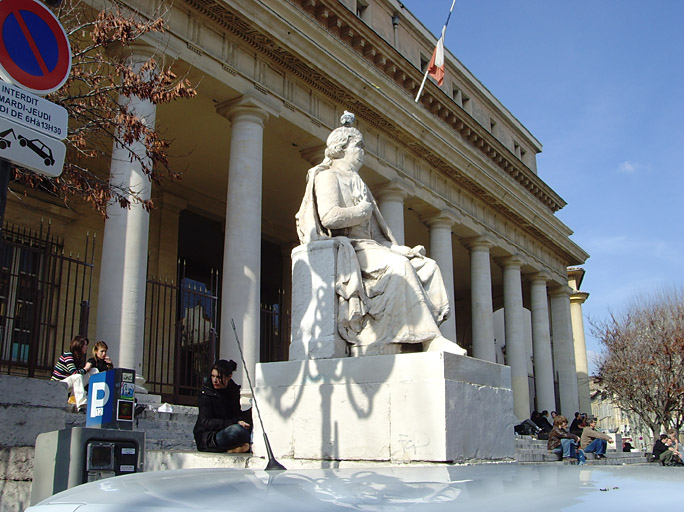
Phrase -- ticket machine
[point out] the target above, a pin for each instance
(108, 446)
(111, 399)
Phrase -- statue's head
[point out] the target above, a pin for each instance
(339, 138)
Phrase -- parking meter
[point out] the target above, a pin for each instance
(73, 456)
(111, 399)
(106, 447)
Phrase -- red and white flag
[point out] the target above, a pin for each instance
(435, 68)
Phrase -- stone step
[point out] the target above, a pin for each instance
(158, 428)
(528, 441)
(182, 418)
(148, 399)
(175, 409)
(160, 460)
(176, 442)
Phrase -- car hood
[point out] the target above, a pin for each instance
(440, 487)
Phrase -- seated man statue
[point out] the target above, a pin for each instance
(388, 294)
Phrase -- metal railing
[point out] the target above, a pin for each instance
(44, 298)
(181, 336)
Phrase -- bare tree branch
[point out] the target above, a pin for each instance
(99, 77)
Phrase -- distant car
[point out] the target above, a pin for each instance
(39, 148)
(452, 488)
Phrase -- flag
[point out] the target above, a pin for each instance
(436, 66)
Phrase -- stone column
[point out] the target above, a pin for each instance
(516, 352)
(580, 344)
(541, 341)
(391, 204)
(241, 283)
(563, 351)
(441, 251)
(123, 272)
(482, 314)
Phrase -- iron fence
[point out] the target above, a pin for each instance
(44, 298)
(181, 336)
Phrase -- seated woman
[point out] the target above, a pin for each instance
(73, 370)
(220, 426)
(563, 443)
(388, 294)
(100, 359)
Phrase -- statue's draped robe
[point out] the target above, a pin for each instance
(384, 296)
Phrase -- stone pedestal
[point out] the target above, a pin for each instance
(427, 406)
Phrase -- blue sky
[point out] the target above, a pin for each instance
(601, 84)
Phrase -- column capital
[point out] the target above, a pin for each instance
(485, 241)
(541, 275)
(395, 190)
(444, 219)
(260, 106)
(578, 297)
(510, 261)
(560, 291)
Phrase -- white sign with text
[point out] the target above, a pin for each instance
(33, 111)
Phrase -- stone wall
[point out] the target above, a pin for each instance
(28, 407)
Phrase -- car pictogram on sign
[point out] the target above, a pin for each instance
(39, 148)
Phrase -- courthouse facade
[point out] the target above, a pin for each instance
(455, 172)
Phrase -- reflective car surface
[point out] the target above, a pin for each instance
(479, 487)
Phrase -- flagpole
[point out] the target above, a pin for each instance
(420, 91)
(427, 71)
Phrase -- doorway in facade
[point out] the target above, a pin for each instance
(200, 256)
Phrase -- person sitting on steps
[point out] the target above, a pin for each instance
(72, 369)
(594, 441)
(563, 443)
(221, 424)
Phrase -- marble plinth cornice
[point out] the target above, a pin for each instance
(339, 21)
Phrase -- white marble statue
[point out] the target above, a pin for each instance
(388, 294)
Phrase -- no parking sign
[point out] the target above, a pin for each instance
(34, 49)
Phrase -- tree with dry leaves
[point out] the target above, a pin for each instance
(642, 366)
(100, 75)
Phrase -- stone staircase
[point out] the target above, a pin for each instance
(529, 450)
(166, 426)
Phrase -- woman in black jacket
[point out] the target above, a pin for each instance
(220, 426)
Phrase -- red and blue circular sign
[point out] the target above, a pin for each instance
(34, 49)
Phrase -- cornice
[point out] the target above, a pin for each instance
(338, 20)
(341, 23)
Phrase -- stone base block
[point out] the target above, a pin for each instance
(14, 496)
(16, 463)
(30, 407)
(426, 406)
